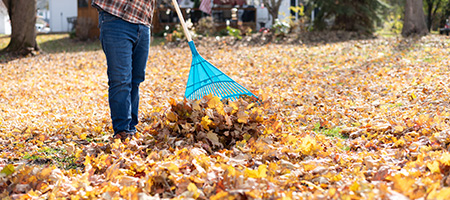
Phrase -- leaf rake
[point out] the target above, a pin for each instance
(205, 78)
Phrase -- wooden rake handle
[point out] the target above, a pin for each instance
(183, 23)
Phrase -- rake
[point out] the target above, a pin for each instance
(204, 78)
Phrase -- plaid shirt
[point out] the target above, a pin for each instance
(133, 11)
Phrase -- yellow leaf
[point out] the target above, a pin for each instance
(332, 192)
(402, 184)
(83, 136)
(250, 106)
(234, 105)
(78, 153)
(443, 194)
(214, 102)
(131, 192)
(309, 146)
(273, 167)
(445, 159)
(206, 122)
(262, 171)
(434, 167)
(399, 143)
(337, 177)
(413, 96)
(173, 168)
(398, 129)
(87, 160)
(252, 194)
(250, 173)
(309, 167)
(8, 170)
(193, 188)
(231, 170)
(354, 187)
(219, 196)
(46, 172)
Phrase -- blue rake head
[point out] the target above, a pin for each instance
(205, 79)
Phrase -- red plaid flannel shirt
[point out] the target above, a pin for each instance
(134, 11)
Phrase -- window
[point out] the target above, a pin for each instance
(83, 3)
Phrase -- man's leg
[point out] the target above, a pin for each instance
(140, 56)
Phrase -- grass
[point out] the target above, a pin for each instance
(333, 132)
(157, 41)
(57, 155)
(57, 43)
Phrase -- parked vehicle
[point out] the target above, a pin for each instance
(446, 29)
(42, 26)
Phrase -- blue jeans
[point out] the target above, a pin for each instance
(126, 46)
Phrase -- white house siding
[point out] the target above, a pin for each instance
(5, 25)
(60, 10)
(263, 16)
(285, 12)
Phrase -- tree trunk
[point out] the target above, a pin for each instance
(432, 10)
(22, 14)
(414, 24)
(430, 15)
(273, 6)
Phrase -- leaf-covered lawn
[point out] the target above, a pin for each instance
(362, 119)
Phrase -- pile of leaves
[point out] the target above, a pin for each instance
(213, 123)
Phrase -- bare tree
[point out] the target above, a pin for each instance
(22, 14)
(414, 24)
(273, 6)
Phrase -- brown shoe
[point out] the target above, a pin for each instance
(123, 135)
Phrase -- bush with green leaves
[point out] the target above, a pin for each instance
(348, 15)
(236, 33)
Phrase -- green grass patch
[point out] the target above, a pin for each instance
(57, 43)
(345, 148)
(158, 41)
(59, 156)
(333, 132)
(396, 105)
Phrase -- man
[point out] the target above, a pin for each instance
(125, 38)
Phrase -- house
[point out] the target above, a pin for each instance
(54, 13)
(5, 25)
(87, 20)
(264, 19)
(61, 14)
(222, 11)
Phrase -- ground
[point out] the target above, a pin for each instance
(353, 119)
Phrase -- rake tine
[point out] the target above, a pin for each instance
(221, 90)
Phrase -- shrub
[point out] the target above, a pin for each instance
(281, 28)
(205, 26)
(236, 33)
